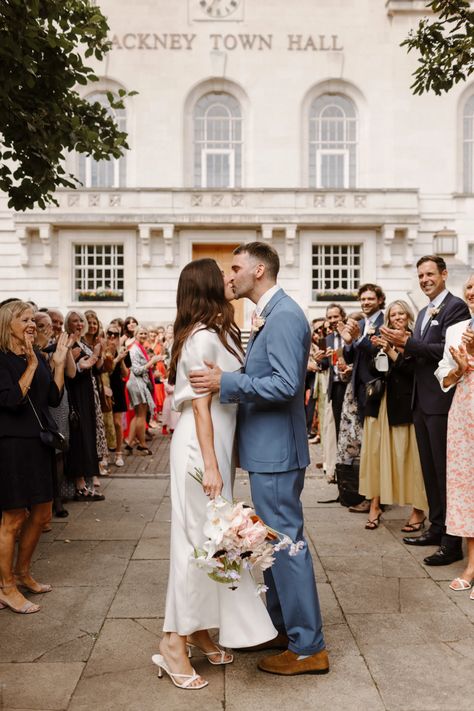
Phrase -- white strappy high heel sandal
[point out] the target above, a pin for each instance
(188, 679)
(219, 650)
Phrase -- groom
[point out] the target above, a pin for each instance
(273, 447)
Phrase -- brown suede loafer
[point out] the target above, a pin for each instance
(287, 663)
(278, 642)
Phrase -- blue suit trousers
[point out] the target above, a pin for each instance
(292, 597)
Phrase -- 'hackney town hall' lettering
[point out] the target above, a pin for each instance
(256, 42)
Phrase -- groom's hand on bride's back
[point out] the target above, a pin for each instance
(206, 381)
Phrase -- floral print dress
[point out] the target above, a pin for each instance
(460, 468)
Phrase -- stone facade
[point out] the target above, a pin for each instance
(394, 191)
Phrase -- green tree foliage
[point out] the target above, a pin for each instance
(43, 44)
(445, 45)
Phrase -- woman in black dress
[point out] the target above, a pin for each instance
(82, 461)
(26, 464)
(119, 358)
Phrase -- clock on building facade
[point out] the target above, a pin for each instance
(217, 9)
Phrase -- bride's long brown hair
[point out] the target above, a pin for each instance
(200, 300)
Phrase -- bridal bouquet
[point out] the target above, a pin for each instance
(237, 539)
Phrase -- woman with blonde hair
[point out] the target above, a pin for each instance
(456, 369)
(140, 389)
(28, 388)
(390, 469)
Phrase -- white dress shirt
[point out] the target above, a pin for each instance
(265, 298)
(434, 304)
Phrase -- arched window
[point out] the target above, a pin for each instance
(103, 173)
(332, 142)
(468, 146)
(217, 142)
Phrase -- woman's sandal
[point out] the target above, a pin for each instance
(372, 524)
(413, 527)
(188, 679)
(143, 450)
(219, 651)
(86, 494)
(42, 587)
(459, 584)
(28, 608)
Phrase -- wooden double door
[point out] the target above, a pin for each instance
(222, 253)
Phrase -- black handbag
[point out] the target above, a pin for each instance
(74, 418)
(347, 480)
(51, 438)
(374, 390)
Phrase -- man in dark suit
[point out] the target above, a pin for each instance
(430, 404)
(336, 316)
(358, 349)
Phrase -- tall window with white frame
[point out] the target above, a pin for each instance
(217, 141)
(332, 142)
(468, 146)
(99, 272)
(109, 173)
(335, 271)
(470, 254)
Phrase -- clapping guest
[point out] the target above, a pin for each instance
(129, 327)
(117, 376)
(27, 389)
(140, 388)
(82, 461)
(430, 406)
(358, 349)
(336, 389)
(456, 369)
(390, 469)
(46, 340)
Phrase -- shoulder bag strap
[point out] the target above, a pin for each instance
(36, 414)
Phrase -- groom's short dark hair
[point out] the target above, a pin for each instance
(264, 253)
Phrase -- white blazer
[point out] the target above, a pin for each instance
(447, 363)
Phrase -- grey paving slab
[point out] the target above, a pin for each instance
(70, 619)
(156, 529)
(153, 549)
(39, 686)
(95, 529)
(142, 591)
(433, 677)
(386, 630)
(83, 563)
(423, 595)
(139, 689)
(123, 645)
(358, 594)
(348, 681)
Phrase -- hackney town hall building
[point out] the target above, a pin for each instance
(288, 122)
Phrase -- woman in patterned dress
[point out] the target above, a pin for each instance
(457, 369)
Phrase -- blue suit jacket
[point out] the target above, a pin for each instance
(428, 348)
(270, 391)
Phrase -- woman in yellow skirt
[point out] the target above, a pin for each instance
(390, 469)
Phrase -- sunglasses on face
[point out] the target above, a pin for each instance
(112, 334)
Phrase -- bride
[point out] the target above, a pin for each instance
(204, 330)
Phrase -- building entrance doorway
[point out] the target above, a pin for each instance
(222, 253)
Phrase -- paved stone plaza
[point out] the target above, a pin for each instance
(398, 638)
